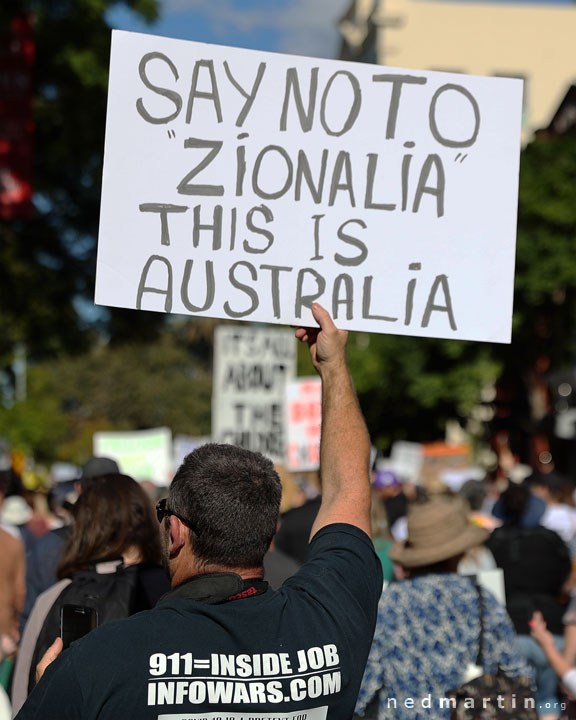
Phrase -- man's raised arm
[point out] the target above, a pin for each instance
(345, 444)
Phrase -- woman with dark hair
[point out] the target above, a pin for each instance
(113, 518)
(536, 564)
(114, 537)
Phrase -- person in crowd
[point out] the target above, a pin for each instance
(16, 513)
(12, 583)
(533, 507)
(536, 565)
(397, 506)
(428, 625)
(10, 482)
(12, 575)
(475, 494)
(293, 534)
(222, 642)
(278, 567)
(46, 555)
(114, 525)
(479, 558)
(381, 536)
(556, 491)
(561, 666)
(12, 592)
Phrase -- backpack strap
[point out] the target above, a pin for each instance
(49, 631)
(111, 594)
(480, 656)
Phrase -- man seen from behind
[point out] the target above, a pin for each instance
(222, 643)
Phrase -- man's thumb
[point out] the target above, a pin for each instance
(54, 650)
(322, 317)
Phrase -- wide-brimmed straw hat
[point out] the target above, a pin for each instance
(437, 531)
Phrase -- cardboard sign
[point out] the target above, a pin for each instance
(247, 185)
(251, 369)
(143, 454)
(303, 424)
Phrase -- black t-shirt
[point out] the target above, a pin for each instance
(536, 563)
(287, 654)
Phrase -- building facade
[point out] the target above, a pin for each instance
(532, 42)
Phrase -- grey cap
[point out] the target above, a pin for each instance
(98, 466)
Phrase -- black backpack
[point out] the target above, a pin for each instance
(112, 595)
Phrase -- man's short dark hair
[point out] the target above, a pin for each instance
(231, 497)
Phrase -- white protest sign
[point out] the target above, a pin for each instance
(183, 445)
(406, 460)
(303, 425)
(247, 185)
(251, 368)
(143, 454)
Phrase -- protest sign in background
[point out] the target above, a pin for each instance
(251, 369)
(303, 424)
(246, 185)
(143, 454)
(184, 445)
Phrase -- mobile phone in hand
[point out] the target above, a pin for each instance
(76, 621)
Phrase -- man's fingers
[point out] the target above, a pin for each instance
(49, 656)
(306, 334)
(322, 317)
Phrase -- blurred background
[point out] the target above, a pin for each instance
(69, 369)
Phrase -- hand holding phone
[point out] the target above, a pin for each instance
(49, 656)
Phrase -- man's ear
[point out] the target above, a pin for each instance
(177, 535)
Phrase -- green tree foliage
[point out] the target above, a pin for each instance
(130, 387)
(48, 261)
(545, 289)
(408, 387)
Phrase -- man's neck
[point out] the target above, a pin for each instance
(182, 574)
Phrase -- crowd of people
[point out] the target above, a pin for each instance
(368, 600)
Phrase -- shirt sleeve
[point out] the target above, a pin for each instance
(342, 548)
(342, 564)
(373, 679)
(57, 696)
(343, 576)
